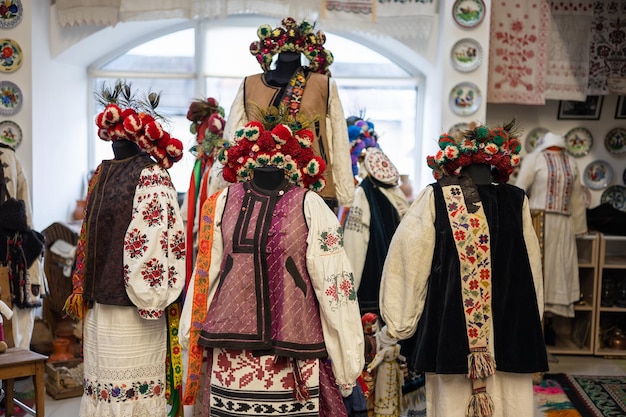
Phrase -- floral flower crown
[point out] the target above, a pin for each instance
(292, 37)
(126, 118)
(361, 135)
(207, 123)
(255, 146)
(498, 147)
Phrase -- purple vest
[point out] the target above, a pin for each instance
(265, 301)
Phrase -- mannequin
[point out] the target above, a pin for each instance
(123, 149)
(268, 177)
(286, 65)
(480, 173)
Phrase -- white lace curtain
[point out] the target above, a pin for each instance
(397, 18)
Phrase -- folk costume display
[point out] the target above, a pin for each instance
(463, 281)
(21, 249)
(273, 293)
(130, 266)
(303, 92)
(378, 207)
(207, 123)
(552, 182)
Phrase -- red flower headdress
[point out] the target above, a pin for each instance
(498, 147)
(126, 118)
(255, 146)
(292, 37)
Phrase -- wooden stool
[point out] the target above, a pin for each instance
(16, 363)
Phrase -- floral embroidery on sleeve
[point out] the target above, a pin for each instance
(340, 289)
(355, 219)
(153, 272)
(135, 243)
(331, 240)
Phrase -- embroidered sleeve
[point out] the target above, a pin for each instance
(405, 275)
(340, 147)
(333, 282)
(356, 234)
(534, 253)
(154, 245)
(237, 115)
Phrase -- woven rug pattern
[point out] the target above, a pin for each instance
(565, 395)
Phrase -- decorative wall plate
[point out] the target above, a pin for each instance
(10, 13)
(598, 175)
(10, 55)
(578, 141)
(458, 128)
(466, 55)
(10, 98)
(615, 141)
(468, 13)
(615, 195)
(533, 137)
(10, 133)
(465, 99)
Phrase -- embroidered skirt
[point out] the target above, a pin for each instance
(241, 384)
(124, 371)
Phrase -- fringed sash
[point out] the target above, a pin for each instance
(199, 299)
(471, 235)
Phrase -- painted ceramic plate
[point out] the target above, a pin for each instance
(615, 141)
(578, 142)
(10, 13)
(458, 128)
(466, 55)
(468, 13)
(10, 55)
(615, 195)
(533, 138)
(10, 98)
(598, 175)
(465, 99)
(10, 133)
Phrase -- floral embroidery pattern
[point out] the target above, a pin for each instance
(517, 52)
(150, 313)
(153, 272)
(608, 40)
(177, 245)
(120, 393)
(152, 213)
(471, 235)
(135, 243)
(331, 240)
(340, 289)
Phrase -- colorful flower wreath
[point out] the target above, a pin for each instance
(292, 37)
(126, 118)
(498, 147)
(361, 135)
(254, 146)
(207, 123)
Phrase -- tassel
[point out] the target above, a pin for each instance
(480, 405)
(480, 364)
(74, 306)
(300, 390)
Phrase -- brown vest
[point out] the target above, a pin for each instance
(108, 215)
(314, 106)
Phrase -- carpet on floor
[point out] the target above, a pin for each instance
(565, 395)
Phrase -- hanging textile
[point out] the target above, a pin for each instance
(606, 61)
(517, 51)
(567, 67)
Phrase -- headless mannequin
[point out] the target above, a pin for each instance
(286, 64)
(268, 177)
(123, 149)
(480, 173)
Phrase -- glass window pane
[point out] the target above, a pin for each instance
(228, 52)
(171, 53)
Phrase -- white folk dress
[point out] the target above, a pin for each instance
(552, 183)
(341, 323)
(125, 347)
(402, 302)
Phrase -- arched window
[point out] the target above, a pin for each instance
(210, 60)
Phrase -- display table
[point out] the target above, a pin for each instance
(16, 363)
